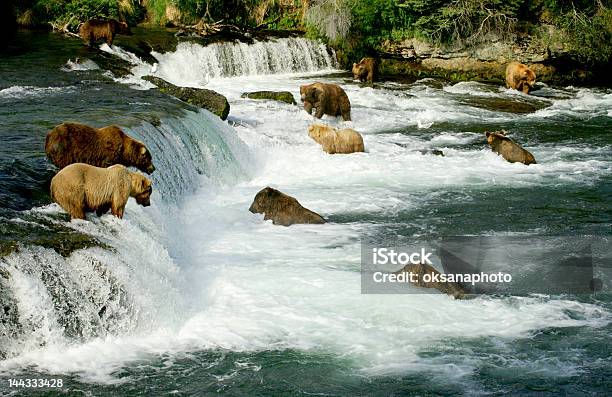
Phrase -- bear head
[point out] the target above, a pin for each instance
(122, 28)
(496, 136)
(317, 131)
(359, 71)
(528, 79)
(264, 200)
(136, 154)
(141, 189)
(142, 157)
(309, 92)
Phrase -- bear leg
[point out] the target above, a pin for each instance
(77, 213)
(103, 209)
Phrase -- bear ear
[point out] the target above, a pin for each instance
(143, 150)
(487, 134)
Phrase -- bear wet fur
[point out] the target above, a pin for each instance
(508, 149)
(81, 188)
(282, 209)
(365, 70)
(327, 99)
(95, 30)
(520, 77)
(334, 141)
(102, 147)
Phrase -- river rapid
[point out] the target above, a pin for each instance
(196, 295)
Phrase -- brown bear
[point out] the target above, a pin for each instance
(509, 150)
(102, 29)
(282, 209)
(81, 188)
(420, 269)
(78, 143)
(326, 99)
(365, 70)
(520, 77)
(335, 141)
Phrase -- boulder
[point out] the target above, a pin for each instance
(282, 96)
(282, 209)
(508, 149)
(335, 141)
(419, 269)
(201, 97)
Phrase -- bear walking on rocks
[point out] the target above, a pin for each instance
(520, 77)
(365, 70)
(509, 150)
(282, 209)
(326, 99)
(335, 141)
(102, 29)
(81, 188)
(78, 143)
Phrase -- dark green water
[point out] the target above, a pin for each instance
(200, 297)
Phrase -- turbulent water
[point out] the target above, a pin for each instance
(196, 295)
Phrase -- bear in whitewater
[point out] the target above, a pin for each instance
(78, 143)
(335, 141)
(327, 99)
(81, 188)
(282, 209)
(520, 77)
(365, 70)
(102, 29)
(508, 149)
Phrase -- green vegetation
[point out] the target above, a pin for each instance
(584, 26)
(357, 27)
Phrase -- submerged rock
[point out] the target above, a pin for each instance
(201, 97)
(508, 149)
(435, 152)
(282, 96)
(452, 289)
(282, 209)
(505, 105)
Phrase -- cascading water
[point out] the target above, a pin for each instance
(52, 299)
(195, 65)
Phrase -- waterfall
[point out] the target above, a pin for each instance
(134, 282)
(196, 63)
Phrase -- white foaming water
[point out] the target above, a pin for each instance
(80, 65)
(201, 272)
(19, 92)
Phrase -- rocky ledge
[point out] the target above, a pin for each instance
(201, 97)
(485, 61)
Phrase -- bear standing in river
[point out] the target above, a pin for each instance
(78, 143)
(81, 188)
(365, 70)
(326, 99)
(520, 77)
(508, 149)
(102, 29)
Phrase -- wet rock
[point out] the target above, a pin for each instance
(505, 105)
(435, 152)
(282, 209)
(282, 96)
(452, 289)
(10, 329)
(201, 97)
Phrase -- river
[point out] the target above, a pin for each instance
(196, 295)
